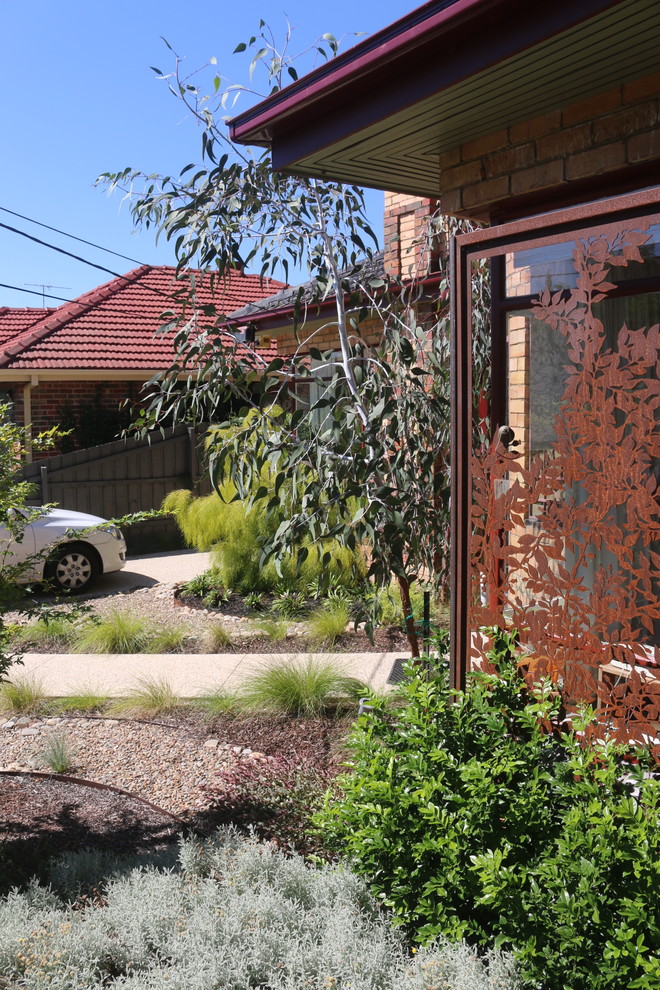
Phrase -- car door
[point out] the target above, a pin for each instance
(18, 546)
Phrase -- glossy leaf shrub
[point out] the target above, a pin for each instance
(473, 817)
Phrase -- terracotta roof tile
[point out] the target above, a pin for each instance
(114, 326)
(15, 321)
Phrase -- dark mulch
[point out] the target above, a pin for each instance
(41, 818)
(44, 817)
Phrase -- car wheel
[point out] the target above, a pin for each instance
(73, 567)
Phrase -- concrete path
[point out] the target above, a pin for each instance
(188, 674)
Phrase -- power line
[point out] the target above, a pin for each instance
(76, 257)
(72, 236)
(32, 293)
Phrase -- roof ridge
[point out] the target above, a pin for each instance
(68, 311)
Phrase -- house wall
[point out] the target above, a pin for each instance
(405, 222)
(597, 136)
(49, 401)
(326, 338)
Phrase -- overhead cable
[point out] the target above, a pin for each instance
(15, 288)
(72, 236)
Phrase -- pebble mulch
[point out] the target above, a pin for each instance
(167, 765)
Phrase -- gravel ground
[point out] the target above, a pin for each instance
(166, 764)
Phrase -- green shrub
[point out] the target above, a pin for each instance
(471, 820)
(233, 913)
(236, 534)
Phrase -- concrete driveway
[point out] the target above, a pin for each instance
(169, 567)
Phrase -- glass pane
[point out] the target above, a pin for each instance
(552, 267)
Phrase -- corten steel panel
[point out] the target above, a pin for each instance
(570, 531)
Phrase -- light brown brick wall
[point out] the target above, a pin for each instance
(405, 221)
(370, 331)
(603, 134)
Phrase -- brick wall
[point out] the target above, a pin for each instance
(327, 339)
(405, 221)
(594, 137)
(49, 400)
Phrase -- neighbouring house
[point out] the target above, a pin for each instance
(75, 366)
(541, 121)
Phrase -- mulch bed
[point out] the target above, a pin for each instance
(43, 817)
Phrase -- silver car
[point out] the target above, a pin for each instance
(83, 546)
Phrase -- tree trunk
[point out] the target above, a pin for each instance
(404, 589)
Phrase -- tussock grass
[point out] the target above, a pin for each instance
(171, 638)
(273, 629)
(328, 623)
(56, 752)
(151, 696)
(87, 699)
(47, 632)
(295, 688)
(118, 632)
(220, 702)
(218, 638)
(22, 695)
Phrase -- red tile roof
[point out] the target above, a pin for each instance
(15, 321)
(113, 327)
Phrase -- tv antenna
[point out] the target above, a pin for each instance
(43, 286)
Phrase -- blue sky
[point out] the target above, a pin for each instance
(78, 98)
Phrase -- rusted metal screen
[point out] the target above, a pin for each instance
(564, 517)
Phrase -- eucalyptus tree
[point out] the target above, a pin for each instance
(365, 460)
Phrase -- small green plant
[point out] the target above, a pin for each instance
(294, 688)
(170, 638)
(290, 604)
(118, 632)
(220, 702)
(56, 752)
(328, 623)
(85, 700)
(215, 598)
(22, 695)
(254, 601)
(51, 631)
(273, 629)
(150, 697)
(217, 638)
(202, 584)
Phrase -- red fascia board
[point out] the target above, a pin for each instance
(377, 51)
(412, 62)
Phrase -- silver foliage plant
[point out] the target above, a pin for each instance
(233, 913)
